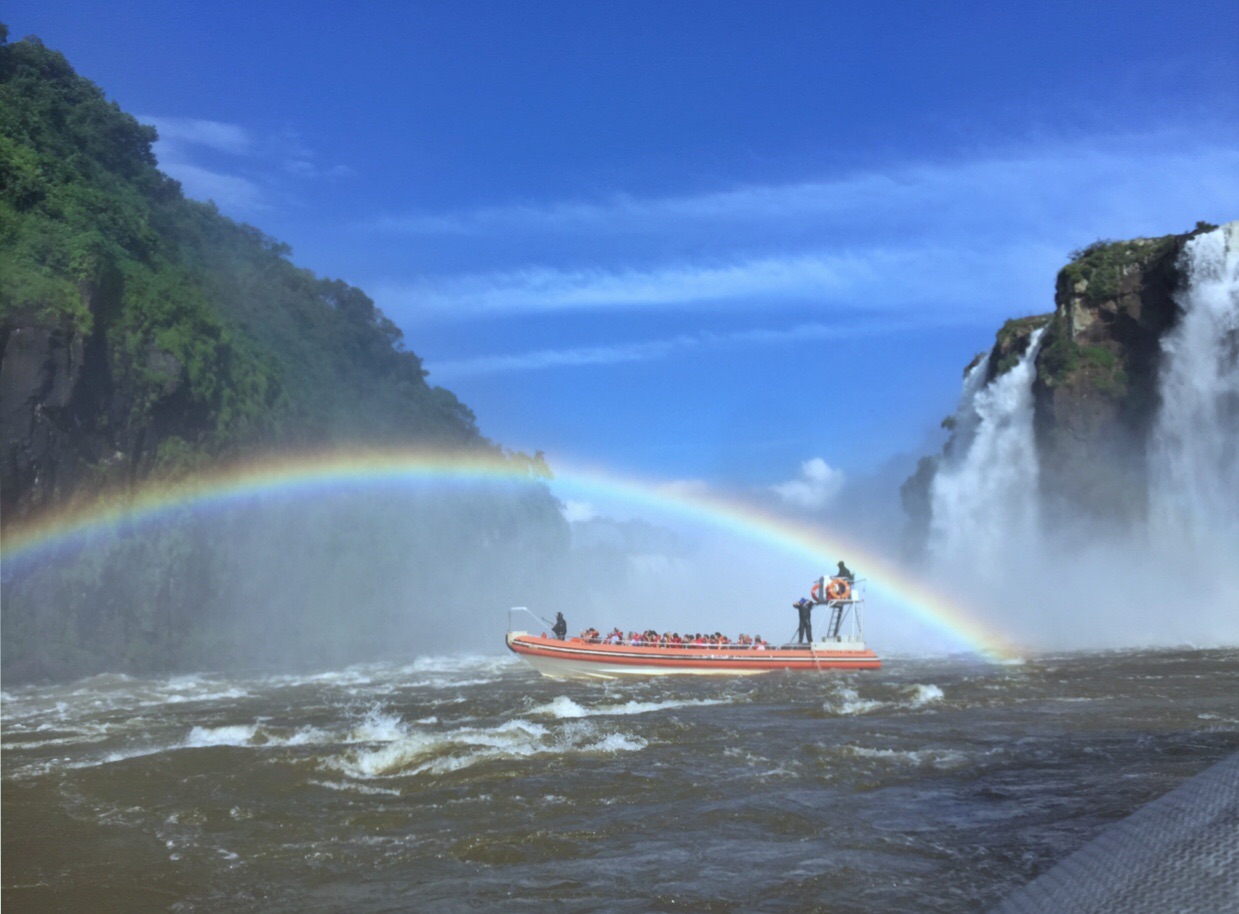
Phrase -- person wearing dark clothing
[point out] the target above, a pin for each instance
(805, 632)
(845, 573)
(560, 628)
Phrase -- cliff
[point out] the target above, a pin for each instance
(1095, 387)
(1097, 376)
(142, 332)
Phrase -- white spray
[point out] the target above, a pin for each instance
(1194, 450)
(984, 495)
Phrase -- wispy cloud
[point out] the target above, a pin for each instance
(640, 351)
(1033, 183)
(231, 193)
(237, 168)
(877, 278)
(983, 234)
(546, 289)
(179, 133)
(202, 155)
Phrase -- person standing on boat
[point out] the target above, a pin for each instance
(560, 628)
(845, 573)
(805, 632)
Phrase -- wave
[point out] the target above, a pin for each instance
(937, 758)
(418, 752)
(847, 701)
(355, 787)
(564, 708)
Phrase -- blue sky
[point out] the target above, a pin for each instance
(745, 245)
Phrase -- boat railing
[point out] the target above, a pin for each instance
(527, 611)
(684, 646)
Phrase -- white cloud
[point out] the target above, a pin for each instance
(202, 155)
(577, 511)
(817, 486)
(181, 132)
(231, 193)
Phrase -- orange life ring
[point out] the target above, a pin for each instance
(816, 592)
(838, 589)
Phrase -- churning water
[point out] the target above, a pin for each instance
(471, 784)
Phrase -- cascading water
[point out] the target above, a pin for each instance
(1194, 451)
(984, 494)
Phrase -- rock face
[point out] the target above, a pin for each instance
(66, 424)
(38, 377)
(1095, 388)
(1096, 384)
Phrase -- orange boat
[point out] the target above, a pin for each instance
(577, 658)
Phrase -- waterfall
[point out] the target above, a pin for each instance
(1194, 449)
(984, 495)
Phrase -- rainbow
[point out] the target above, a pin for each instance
(309, 474)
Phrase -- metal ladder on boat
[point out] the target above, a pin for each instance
(836, 619)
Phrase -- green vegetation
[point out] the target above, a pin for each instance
(1097, 270)
(1013, 340)
(189, 306)
(1063, 362)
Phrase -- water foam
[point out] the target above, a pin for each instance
(234, 735)
(564, 708)
(925, 694)
(937, 758)
(418, 752)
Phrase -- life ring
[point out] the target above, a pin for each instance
(838, 589)
(816, 592)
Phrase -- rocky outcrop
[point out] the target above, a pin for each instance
(39, 375)
(1095, 390)
(1097, 375)
(70, 421)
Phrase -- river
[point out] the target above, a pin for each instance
(472, 784)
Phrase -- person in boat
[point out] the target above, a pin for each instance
(845, 573)
(805, 608)
(560, 628)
